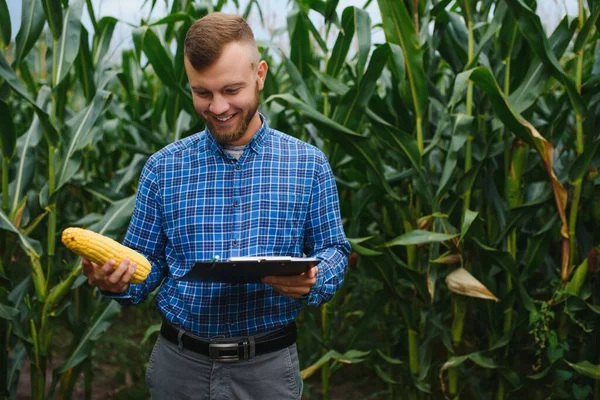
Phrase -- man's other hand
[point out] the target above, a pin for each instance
(106, 277)
(294, 286)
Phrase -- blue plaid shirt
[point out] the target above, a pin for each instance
(194, 201)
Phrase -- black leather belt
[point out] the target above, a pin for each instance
(233, 349)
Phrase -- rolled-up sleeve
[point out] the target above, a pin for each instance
(324, 235)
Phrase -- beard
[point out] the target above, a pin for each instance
(235, 133)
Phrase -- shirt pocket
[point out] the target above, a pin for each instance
(280, 222)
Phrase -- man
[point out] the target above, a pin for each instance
(239, 188)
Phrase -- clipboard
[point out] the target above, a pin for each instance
(247, 269)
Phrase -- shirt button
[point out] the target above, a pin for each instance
(238, 166)
(235, 204)
(234, 243)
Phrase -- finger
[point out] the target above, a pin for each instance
(108, 268)
(86, 267)
(296, 280)
(129, 273)
(312, 273)
(118, 273)
(294, 292)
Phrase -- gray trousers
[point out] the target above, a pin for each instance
(174, 374)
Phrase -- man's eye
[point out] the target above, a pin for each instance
(232, 91)
(202, 94)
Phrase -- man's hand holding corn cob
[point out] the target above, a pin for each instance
(109, 277)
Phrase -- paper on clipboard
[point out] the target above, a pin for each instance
(273, 258)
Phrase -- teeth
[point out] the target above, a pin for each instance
(224, 119)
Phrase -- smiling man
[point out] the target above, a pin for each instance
(239, 188)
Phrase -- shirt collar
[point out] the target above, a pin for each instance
(256, 143)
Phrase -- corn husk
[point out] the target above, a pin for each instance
(462, 282)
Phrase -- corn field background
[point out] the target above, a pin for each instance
(465, 148)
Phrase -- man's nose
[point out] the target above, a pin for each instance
(218, 105)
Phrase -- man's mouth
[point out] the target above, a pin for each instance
(224, 119)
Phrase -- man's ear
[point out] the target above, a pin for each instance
(261, 71)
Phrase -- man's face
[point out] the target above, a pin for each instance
(226, 93)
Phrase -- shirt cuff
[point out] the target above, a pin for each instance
(313, 298)
(116, 296)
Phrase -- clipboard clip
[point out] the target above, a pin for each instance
(214, 260)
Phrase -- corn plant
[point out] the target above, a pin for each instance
(453, 151)
(465, 148)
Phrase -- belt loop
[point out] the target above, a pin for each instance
(179, 341)
(252, 346)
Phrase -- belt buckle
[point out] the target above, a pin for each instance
(215, 351)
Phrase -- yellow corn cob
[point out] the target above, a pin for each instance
(99, 249)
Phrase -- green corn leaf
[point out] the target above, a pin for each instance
(586, 368)
(116, 218)
(333, 84)
(138, 35)
(584, 34)
(330, 7)
(363, 251)
(531, 27)
(577, 279)
(363, 34)
(179, 55)
(68, 43)
(161, 61)
(26, 143)
(418, 237)
(32, 24)
(61, 289)
(490, 33)
(317, 36)
(396, 62)
(315, 116)
(54, 15)
(476, 358)
(5, 25)
(507, 263)
(173, 17)
(470, 217)
(388, 359)
(11, 79)
(399, 29)
(98, 324)
(352, 105)
(350, 357)
(8, 135)
(31, 246)
(298, 31)
(484, 79)
(7, 312)
(406, 143)
(85, 66)
(298, 83)
(342, 43)
(534, 83)
(131, 79)
(463, 127)
(152, 329)
(583, 162)
(16, 358)
(80, 126)
(102, 38)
